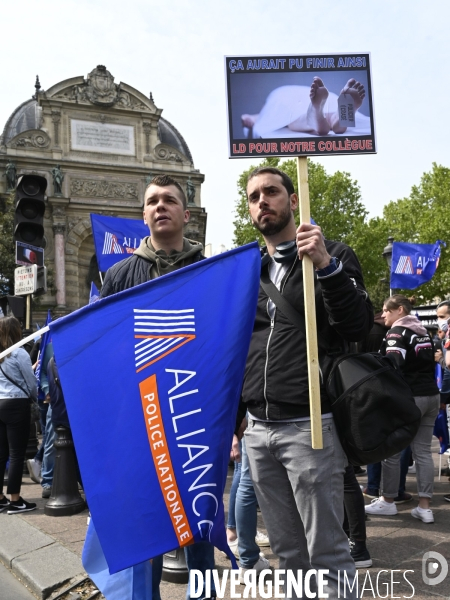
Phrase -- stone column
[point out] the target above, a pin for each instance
(147, 127)
(60, 264)
(58, 207)
(196, 228)
(56, 118)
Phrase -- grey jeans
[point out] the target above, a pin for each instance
(421, 450)
(301, 495)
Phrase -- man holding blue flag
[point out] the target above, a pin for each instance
(300, 490)
(165, 213)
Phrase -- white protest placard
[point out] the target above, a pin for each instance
(25, 279)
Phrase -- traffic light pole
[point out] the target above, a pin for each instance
(28, 313)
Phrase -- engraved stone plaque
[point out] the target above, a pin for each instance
(93, 136)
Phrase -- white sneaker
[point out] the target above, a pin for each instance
(262, 540)
(378, 506)
(424, 514)
(262, 564)
(34, 469)
(412, 469)
(234, 547)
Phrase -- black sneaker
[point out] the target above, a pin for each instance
(4, 503)
(20, 506)
(360, 554)
(447, 497)
(405, 497)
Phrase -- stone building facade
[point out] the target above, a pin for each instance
(108, 140)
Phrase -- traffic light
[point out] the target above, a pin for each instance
(30, 208)
(14, 305)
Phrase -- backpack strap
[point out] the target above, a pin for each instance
(285, 306)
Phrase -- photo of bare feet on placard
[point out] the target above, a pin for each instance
(312, 110)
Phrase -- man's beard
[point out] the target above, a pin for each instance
(274, 226)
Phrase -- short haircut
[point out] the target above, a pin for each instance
(165, 181)
(286, 180)
(445, 303)
(394, 302)
(10, 333)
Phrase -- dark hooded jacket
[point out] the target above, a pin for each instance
(147, 264)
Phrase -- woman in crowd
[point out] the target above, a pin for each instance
(407, 342)
(17, 389)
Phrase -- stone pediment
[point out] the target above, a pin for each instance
(164, 152)
(32, 138)
(99, 89)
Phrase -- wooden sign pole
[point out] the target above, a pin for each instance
(310, 313)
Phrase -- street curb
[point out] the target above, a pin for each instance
(37, 559)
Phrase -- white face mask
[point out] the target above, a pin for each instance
(443, 325)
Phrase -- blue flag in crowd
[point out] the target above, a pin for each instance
(413, 264)
(94, 294)
(438, 375)
(134, 583)
(152, 378)
(116, 238)
(441, 430)
(46, 338)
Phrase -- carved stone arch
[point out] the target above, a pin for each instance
(79, 252)
(36, 139)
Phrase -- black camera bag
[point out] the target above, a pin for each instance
(372, 404)
(373, 407)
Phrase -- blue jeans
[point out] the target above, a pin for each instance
(157, 565)
(199, 556)
(246, 516)
(374, 479)
(43, 408)
(48, 463)
(231, 523)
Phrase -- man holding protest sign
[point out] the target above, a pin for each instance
(299, 489)
(165, 214)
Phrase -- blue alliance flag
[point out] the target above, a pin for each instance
(413, 264)
(152, 378)
(116, 238)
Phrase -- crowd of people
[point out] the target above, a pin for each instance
(311, 502)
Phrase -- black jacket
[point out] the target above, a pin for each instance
(276, 377)
(131, 272)
(414, 354)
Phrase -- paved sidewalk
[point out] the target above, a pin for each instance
(45, 552)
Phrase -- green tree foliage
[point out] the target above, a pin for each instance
(336, 205)
(7, 246)
(423, 218)
(335, 202)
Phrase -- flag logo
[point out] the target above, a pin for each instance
(111, 244)
(405, 266)
(161, 332)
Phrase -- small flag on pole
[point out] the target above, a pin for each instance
(413, 264)
(115, 238)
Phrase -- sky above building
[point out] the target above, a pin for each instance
(176, 50)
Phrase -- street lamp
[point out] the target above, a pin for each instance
(387, 255)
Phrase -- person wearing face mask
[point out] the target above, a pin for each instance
(408, 344)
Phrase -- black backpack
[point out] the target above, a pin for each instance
(373, 407)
